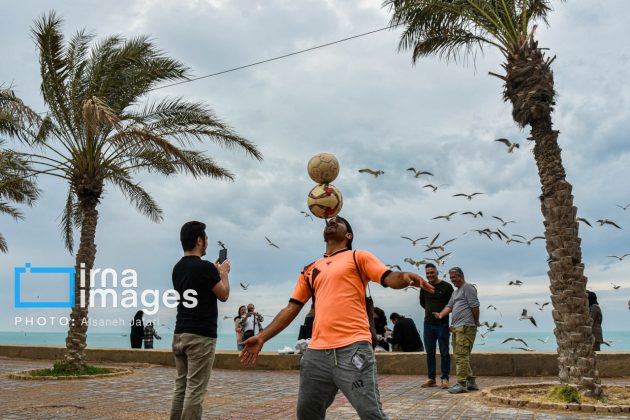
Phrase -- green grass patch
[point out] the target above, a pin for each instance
(62, 369)
(564, 394)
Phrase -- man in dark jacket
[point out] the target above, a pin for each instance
(406, 335)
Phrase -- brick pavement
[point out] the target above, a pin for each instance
(146, 394)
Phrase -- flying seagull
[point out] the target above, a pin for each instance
(244, 286)
(615, 286)
(603, 222)
(523, 348)
(583, 220)
(376, 173)
(468, 196)
(433, 187)
(447, 216)
(491, 327)
(396, 266)
(495, 308)
(543, 341)
(541, 306)
(623, 207)
(510, 240)
(479, 213)
(431, 246)
(221, 244)
(440, 259)
(271, 243)
(415, 263)
(515, 283)
(534, 238)
(419, 173)
(525, 316)
(619, 258)
(515, 339)
(509, 144)
(483, 232)
(306, 214)
(504, 223)
(414, 241)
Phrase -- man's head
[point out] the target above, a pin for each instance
(193, 237)
(337, 229)
(432, 273)
(251, 308)
(457, 276)
(394, 317)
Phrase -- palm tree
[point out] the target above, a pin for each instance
(100, 129)
(16, 186)
(453, 29)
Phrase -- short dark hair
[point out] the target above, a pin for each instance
(190, 232)
(457, 271)
(394, 316)
(429, 265)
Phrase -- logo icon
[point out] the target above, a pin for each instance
(49, 280)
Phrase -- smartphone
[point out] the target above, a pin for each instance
(222, 255)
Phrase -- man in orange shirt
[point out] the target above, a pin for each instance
(340, 355)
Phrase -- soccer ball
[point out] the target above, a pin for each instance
(323, 168)
(324, 201)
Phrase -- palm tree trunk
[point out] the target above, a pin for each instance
(76, 341)
(530, 88)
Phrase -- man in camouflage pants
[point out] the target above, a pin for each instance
(465, 308)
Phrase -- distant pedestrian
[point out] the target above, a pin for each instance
(382, 332)
(436, 330)
(596, 314)
(251, 323)
(242, 310)
(137, 330)
(465, 308)
(149, 333)
(405, 337)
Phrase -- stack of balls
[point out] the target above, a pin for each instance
(324, 200)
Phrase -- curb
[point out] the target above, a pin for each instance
(25, 375)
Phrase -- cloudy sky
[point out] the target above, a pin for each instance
(364, 102)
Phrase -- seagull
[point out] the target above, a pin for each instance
(619, 258)
(468, 196)
(221, 244)
(525, 316)
(504, 223)
(603, 222)
(615, 286)
(419, 173)
(495, 308)
(244, 286)
(432, 247)
(439, 260)
(607, 343)
(433, 187)
(515, 283)
(510, 240)
(376, 173)
(543, 341)
(447, 217)
(534, 238)
(509, 144)
(164, 325)
(523, 348)
(306, 214)
(483, 232)
(226, 317)
(271, 243)
(394, 266)
(515, 339)
(479, 213)
(623, 207)
(583, 220)
(491, 327)
(414, 241)
(541, 306)
(415, 263)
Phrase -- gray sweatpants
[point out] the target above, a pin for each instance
(351, 369)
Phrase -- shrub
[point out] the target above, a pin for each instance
(564, 393)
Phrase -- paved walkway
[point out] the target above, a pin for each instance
(147, 393)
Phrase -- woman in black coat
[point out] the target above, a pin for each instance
(137, 330)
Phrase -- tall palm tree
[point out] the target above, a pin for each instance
(453, 29)
(100, 129)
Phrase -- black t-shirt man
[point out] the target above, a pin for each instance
(193, 273)
(436, 302)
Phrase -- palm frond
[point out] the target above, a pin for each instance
(69, 218)
(141, 199)
(3, 245)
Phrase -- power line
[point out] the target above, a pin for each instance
(273, 59)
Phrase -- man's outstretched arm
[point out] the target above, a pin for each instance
(402, 279)
(253, 345)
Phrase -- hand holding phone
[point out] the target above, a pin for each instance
(222, 255)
